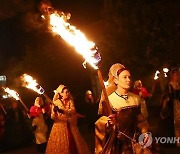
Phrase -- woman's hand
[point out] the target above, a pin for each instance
(111, 120)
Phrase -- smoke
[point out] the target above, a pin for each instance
(32, 20)
(11, 8)
(28, 10)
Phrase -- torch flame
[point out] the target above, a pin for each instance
(13, 93)
(156, 75)
(30, 83)
(165, 70)
(73, 36)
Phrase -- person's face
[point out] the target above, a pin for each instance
(139, 85)
(175, 76)
(65, 94)
(89, 96)
(124, 80)
(39, 101)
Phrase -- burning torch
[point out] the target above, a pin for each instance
(31, 83)
(58, 25)
(16, 96)
(156, 76)
(165, 70)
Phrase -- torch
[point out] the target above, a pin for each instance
(165, 70)
(31, 83)
(2, 107)
(16, 96)
(156, 76)
(58, 25)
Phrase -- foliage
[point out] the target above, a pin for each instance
(141, 34)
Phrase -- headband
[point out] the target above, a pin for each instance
(120, 70)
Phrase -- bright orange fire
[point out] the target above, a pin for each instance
(30, 83)
(13, 93)
(60, 26)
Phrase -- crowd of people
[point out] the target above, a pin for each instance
(117, 120)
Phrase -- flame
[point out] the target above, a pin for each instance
(30, 83)
(60, 26)
(165, 70)
(156, 75)
(13, 93)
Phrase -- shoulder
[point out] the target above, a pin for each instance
(111, 88)
(134, 97)
(113, 97)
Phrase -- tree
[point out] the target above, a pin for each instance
(141, 34)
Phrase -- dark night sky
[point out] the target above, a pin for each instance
(27, 47)
(51, 60)
(11, 20)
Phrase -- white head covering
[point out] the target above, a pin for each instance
(58, 90)
(88, 92)
(111, 85)
(114, 69)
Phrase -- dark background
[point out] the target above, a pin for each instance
(143, 35)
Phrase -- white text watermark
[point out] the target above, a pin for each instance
(146, 139)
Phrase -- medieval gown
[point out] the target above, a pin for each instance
(65, 137)
(129, 121)
(171, 118)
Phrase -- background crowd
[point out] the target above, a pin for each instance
(46, 121)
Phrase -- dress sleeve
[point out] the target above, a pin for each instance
(142, 123)
(57, 116)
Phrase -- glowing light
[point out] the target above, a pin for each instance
(165, 70)
(106, 83)
(156, 75)
(13, 93)
(42, 16)
(5, 96)
(30, 83)
(73, 36)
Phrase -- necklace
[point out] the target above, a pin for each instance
(124, 96)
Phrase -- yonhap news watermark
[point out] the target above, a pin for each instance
(168, 140)
(146, 139)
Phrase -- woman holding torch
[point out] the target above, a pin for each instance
(115, 132)
(65, 137)
(111, 87)
(38, 124)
